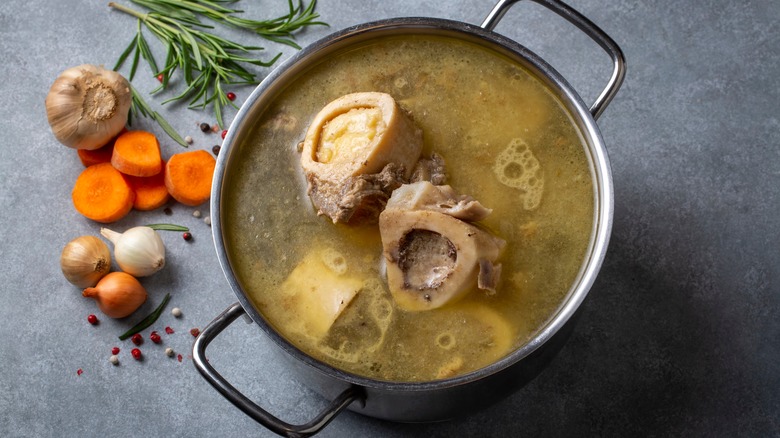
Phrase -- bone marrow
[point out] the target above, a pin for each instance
(347, 150)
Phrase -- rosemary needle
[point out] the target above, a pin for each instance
(168, 227)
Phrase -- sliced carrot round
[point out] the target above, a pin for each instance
(137, 153)
(90, 157)
(150, 191)
(102, 194)
(188, 176)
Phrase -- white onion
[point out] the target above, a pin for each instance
(138, 251)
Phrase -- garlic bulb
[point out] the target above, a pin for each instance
(87, 106)
(85, 260)
(138, 251)
(118, 294)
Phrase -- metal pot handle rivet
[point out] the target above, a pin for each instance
(590, 29)
(249, 407)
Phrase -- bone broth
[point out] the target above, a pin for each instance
(499, 148)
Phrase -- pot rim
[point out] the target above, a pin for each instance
(581, 115)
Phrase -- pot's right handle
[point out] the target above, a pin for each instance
(587, 26)
(248, 406)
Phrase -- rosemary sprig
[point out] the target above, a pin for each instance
(207, 61)
(278, 29)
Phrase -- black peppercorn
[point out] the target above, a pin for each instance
(216, 149)
(205, 127)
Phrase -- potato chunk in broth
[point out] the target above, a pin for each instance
(506, 140)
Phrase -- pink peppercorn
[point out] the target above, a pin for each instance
(136, 354)
(155, 337)
(195, 332)
(224, 133)
(92, 319)
(137, 339)
(169, 330)
(231, 96)
(115, 351)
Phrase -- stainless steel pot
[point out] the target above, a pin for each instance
(442, 399)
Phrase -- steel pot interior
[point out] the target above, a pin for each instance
(275, 82)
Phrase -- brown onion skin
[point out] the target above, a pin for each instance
(118, 294)
(85, 260)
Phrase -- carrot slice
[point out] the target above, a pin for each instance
(102, 194)
(96, 156)
(137, 153)
(150, 191)
(99, 155)
(188, 176)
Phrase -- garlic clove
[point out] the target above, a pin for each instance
(85, 260)
(138, 251)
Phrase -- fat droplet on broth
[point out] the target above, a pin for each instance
(334, 260)
(517, 167)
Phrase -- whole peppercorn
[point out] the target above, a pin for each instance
(205, 127)
(155, 337)
(195, 332)
(92, 319)
(114, 359)
(231, 96)
(224, 133)
(136, 353)
(115, 351)
(187, 236)
(215, 149)
(137, 339)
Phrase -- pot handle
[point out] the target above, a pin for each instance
(587, 26)
(260, 415)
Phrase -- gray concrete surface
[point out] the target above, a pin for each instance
(680, 335)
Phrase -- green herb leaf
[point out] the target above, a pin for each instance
(146, 322)
(209, 63)
(125, 54)
(139, 106)
(167, 227)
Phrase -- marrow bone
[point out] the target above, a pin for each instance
(433, 257)
(352, 138)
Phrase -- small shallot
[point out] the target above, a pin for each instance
(138, 251)
(118, 294)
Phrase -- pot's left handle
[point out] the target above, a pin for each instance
(249, 407)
